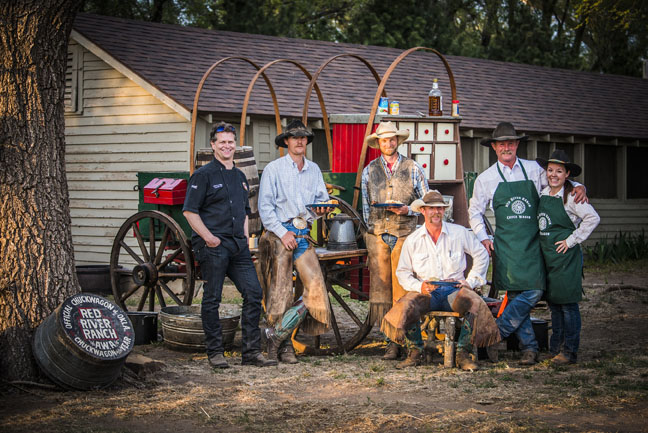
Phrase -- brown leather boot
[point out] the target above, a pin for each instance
(393, 352)
(465, 362)
(412, 360)
(287, 352)
(529, 357)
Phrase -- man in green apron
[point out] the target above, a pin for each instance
(511, 187)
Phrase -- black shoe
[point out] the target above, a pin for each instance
(218, 361)
(259, 360)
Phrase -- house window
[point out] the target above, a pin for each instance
(601, 171)
(637, 181)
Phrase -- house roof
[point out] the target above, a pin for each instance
(535, 99)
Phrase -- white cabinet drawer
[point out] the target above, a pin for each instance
(409, 126)
(445, 132)
(445, 161)
(424, 161)
(424, 148)
(425, 131)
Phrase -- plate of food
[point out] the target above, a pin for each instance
(330, 203)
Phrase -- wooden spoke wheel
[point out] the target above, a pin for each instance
(350, 317)
(151, 263)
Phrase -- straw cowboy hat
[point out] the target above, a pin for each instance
(386, 130)
(559, 156)
(504, 131)
(294, 129)
(432, 198)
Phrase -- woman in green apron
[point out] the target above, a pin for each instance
(563, 224)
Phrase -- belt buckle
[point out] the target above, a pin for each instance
(299, 223)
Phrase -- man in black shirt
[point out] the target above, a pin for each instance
(217, 208)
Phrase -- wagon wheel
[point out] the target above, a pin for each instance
(349, 318)
(142, 273)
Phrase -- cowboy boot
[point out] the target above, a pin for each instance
(287, 352)
(393, 352)
(465, 362)
(529, 357)
(412, 360)
(273, 348)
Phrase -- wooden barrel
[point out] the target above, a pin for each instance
(83, 344)
(244, 159)
(182, 326)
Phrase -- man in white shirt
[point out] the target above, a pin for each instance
(288, 184)
(436, 252)
(511, 186)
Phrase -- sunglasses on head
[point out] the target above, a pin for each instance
(226, 128)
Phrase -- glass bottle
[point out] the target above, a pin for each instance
(435, 98)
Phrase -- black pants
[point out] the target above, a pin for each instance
(233, 260)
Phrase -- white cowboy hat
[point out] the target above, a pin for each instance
(386, 130)
(432, 198)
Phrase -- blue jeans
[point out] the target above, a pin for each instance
(517, 318)
(439, 302)
(227, 259)
(565, 329)
(302, 243)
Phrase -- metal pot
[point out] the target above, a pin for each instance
(341, 233)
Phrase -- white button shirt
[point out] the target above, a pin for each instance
(583, 216)
(422, 259)
(487, 182)
(285, 191)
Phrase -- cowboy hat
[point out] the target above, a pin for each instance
(432, 198)
(559, 156)
(386, 130)
(503, 132)
(294, 129)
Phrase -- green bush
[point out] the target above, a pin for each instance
(623, 247)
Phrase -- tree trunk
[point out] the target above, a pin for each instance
(37, 259)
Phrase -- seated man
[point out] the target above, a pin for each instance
(437, 252)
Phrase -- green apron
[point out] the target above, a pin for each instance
(564, 282)
(518, 259)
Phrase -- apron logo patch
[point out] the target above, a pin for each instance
(518, 207)
(544, 221)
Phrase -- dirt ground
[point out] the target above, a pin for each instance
(607, 391)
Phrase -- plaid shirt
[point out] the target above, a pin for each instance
(418, 180)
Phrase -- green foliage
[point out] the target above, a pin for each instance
(599, 35)
(623, 247)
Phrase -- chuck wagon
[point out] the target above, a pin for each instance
(152, 264)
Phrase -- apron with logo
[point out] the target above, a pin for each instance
(518, 259)
(564, 282)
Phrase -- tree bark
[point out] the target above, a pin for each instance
(37, 259)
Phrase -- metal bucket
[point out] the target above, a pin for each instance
(83, 344)
(182, 326)
(145, 326)
(342, 234)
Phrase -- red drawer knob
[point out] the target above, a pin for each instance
(422, 148)
(427, 131)
(446, 162)
(447, 131)
(424, 165)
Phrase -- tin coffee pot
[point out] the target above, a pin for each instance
(341, 233)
